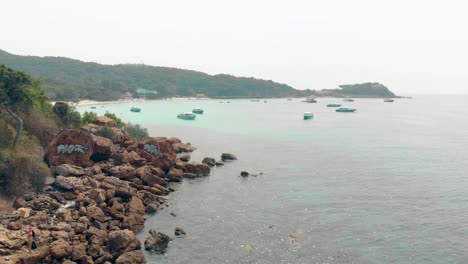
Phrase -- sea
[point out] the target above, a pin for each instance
(386, 184)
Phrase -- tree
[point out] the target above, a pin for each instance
(14, 92)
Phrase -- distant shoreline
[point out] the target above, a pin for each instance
(134, 100)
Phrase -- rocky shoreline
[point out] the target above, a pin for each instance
(99, 197)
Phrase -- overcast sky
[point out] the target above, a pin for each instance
(412, 46)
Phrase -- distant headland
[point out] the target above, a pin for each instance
(67, 79)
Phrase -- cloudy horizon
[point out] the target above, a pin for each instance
(416, 47)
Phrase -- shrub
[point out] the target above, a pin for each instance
(88, 117)
(136, 131)
(44, 128)
(112, 116)
(7, 134)
(23, 170)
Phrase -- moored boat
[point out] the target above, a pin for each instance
(333, 105)
(310, 99)
(388, 100)
(197, 110)
(93, 107)
(348, 99)
(308, 115)
(345, 110)
(186, 116)
(135, 109)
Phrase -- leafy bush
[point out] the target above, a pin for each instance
(112, 116)
(88, 117)
(136, 131)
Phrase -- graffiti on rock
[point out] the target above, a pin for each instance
(151, 149)
(70, 149)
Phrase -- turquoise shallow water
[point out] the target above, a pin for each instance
(387, 184)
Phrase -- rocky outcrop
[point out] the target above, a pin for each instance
(179, 231)
(228, 156)
(209, 161)
(157, 242)
(131, 257)
(70, 146)
(159, 152)
(199, 169)
(104, 121)
(123, 241)
(185, 158)
(181, 147)
(102, 148)
(98, 197)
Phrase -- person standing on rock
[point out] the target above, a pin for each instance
(30, 238)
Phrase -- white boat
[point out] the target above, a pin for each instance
(310, 99)
(186, 116)
(308, 115)
(348, 99)
(388, 100)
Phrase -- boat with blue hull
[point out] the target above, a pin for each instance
(308, 115)
(135, 109)
(186, 116)
(197, 111)
(345, 110)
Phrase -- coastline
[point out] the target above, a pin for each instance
(135, 100)
(92, 209)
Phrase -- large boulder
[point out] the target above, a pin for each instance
(129, 157)
(69, 183)
(123, 241)
(70, 146)
(197, 168)
(228, 156)
(131, 257)
(157, 242)
(209, 161)
(61, 109)
(68, 170)
(124, 171)
(104, 121)
(60, 249)
(102, 148)
(181, 147)
(159, 152)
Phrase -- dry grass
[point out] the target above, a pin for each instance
(6, 205)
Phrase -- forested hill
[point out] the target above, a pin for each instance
(68, 79)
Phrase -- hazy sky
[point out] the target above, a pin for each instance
(412, 46)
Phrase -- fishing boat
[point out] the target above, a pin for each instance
(345, 110)
(310, 99)
(348, 99)
(135, 109)
(388, 100)
(308, 115)
(333, 105)
(186, 116)
(197, 110)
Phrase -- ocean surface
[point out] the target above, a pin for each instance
(387, 184)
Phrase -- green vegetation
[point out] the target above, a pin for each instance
(87, 117)
(359, 90)
(112, 116)
(136, 131)
(72, 80)
(23, 105)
